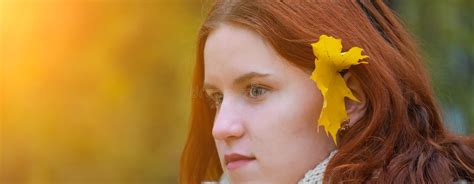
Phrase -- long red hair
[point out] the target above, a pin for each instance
(401, 138)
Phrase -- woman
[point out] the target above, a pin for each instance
(254, 66)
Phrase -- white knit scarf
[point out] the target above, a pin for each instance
(313, 176)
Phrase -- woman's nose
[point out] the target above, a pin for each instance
(228, 123)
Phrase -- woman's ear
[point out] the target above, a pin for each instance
(355, 110)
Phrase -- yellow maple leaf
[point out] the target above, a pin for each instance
(330, 60)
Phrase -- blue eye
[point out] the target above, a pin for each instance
(255, 91)
(217, 98)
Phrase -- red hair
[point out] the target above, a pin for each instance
(400, 139)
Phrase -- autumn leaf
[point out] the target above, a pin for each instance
(330, 60)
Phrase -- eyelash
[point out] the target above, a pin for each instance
(218, 97)
(251, 87)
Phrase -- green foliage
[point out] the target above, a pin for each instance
(445, 30)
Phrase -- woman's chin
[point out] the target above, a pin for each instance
(242, 171)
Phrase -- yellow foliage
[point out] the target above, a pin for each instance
(330, 60)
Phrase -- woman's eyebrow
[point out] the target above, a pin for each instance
(208, 86)
(249, 76)
(239, 80)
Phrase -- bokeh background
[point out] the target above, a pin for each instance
(98, 91)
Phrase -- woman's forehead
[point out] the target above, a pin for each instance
(235, 44)
(233, 51)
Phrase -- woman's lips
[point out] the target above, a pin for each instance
(234, 160)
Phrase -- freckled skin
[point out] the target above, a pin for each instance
(278, 127)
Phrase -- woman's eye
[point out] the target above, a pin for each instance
(217, 98)
(255, 91)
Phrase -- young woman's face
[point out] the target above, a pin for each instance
(265, 126)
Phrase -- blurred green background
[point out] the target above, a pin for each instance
(98, 91)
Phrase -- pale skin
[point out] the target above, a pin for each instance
(266, 108)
